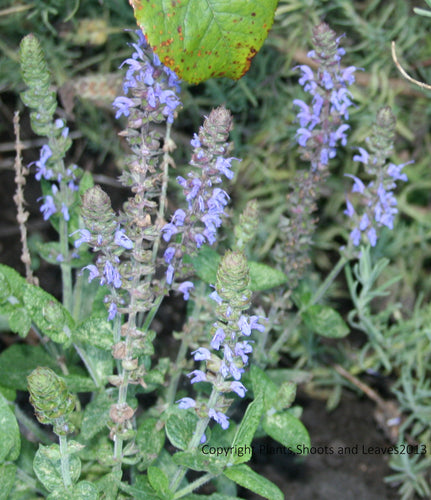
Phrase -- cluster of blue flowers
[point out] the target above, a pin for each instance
(321, 122)
(49, 169)
(148, 80)
(224, 373)
(206, 201)
(229, 345)
(377, 199)
(380, 204)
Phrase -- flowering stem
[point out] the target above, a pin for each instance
(66, 271)
(314, 299)
(164, 188)
(64, 455)
(196, 439)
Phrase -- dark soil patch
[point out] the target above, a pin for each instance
(325, 474)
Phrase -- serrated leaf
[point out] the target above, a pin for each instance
(149, 440)
(180, 427)
(47, 467)
(203, 39)
(246, 431)
(18, 361)
(247, 478)
(97, 331)
(287, 430)
(10, 440)
(7, 479)
(325, 321)
(96, 416)
(51, 318)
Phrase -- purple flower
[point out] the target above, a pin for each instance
(94, 272)
(170, 274)
(197, 376)
(219, 417)
(238, 388)
(362, 157)
(85, 237)
(169, 254)
(42, 170)
(112, 310)
(185, 288)
(218, 338)
(186, 403)
(201, 354)
(122, 240)
(48, 208)
(123, 105)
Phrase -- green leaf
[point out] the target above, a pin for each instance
(97, 331)
(7, 479)
(201, 39)
(16, 283)
(51, 250)
(149, 440)
(200, 460)
(18, 361)
(287, 430)
(79, 383)
(140, 490)
(159, 481)
(47, 467)
(96, 416)
(20, 321)
(109, 483)
(8, 393)
(214, 496)
(246, 431)
(263, 387)
(325, 321)
(51, 318)
(10, 440)
(84, 490)
(247, 478)
(263, 277)
(180, 427)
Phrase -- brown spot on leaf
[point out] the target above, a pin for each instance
(253, 14)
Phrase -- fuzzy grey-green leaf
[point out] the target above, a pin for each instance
(10, 440)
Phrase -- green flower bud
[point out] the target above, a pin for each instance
(98, 215)
(233, 278)
(246, 230)
(51, 400)
(39, 95)
(216, 127)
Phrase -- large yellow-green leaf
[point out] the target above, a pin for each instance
(200, 39)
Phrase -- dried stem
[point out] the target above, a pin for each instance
(22, 215)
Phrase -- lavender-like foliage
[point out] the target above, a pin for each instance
(378, 205)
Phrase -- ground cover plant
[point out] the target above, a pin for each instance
(264, 240)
